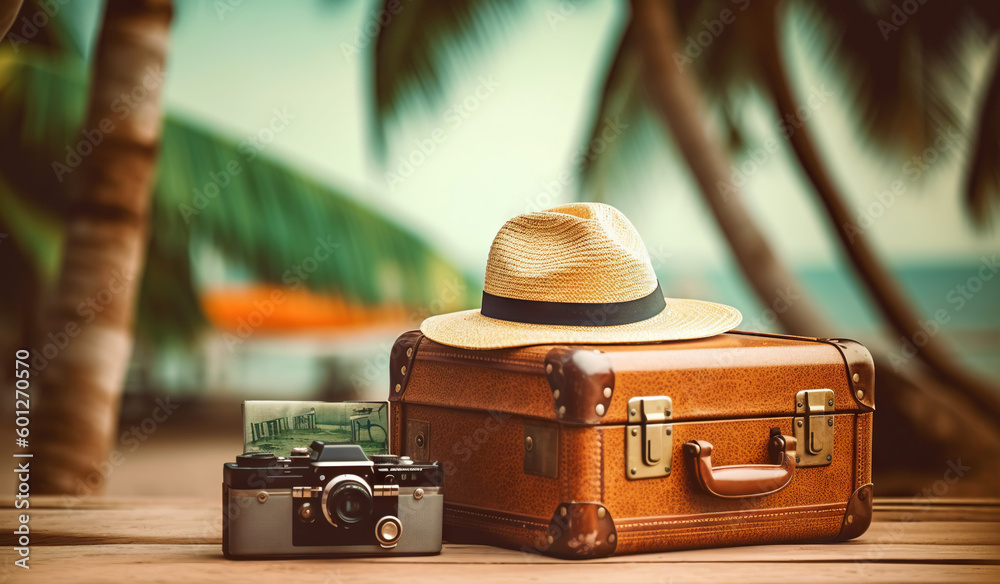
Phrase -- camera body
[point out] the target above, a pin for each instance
(328, 500)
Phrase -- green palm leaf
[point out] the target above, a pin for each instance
(269, 220)
(266, 218)
(421, 42)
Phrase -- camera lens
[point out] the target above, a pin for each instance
(350, 503)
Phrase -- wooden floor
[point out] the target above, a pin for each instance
(163, 540)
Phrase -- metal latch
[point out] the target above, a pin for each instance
(648, 437)
(813, 427)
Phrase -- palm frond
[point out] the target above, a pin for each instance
(622, 160)
(260, 214)
(421, 44)
(269, 219)
(168, 310)
(905, 70)
(42, 99)
(982, 181)
(36, 234)
(53, 37)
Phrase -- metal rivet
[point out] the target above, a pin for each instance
(612, 538)
(829, 457)
(418, 494)
(409, 352)
(262, 497)
(528, 444)
(562, 511)
(861, 394)
(667, 413)
(666, 470)
(850, 519)
(398, 387)
(798, 405)
(830, 403)
(601, 512)
(632, 412)
(635, 431)
(856, 378)
(669, 431)
(403, 369)
(829, 422)
(562, 410)
(599, 409)
(797, 459)
(550, 539)
(799, 423)
(555, 394)
(633, 471)
(548, 367)
(607, 392)
(419, 440)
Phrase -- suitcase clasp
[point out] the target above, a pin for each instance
(648, 437)
(813, 427)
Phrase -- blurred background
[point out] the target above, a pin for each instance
(328, 174)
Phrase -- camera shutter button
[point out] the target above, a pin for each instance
(388, 531)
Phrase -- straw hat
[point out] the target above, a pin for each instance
(576, 273)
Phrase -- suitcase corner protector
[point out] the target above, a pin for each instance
(404, 352)
(581, 531)
(582, 383)
(860, 371)
(858, 514)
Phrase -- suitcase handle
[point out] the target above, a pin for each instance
(744, 480)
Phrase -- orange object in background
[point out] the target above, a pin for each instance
(275, 308)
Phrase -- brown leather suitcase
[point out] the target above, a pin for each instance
(587, 451)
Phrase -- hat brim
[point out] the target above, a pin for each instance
(682, 319)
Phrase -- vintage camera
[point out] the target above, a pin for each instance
(330, 499)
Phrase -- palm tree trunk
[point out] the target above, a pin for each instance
(916, 396)
(90, 318)
(879, 283)
(9, 9)
(677, 98)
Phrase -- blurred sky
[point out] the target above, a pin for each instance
(230, 71)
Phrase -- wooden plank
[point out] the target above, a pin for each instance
(937, 501)
(66, 502)
(967, 513)
(914, 542)
(203, 524)
(201, 563)
(119, 526)
(69, 502)
(476, 554)
(933, 532)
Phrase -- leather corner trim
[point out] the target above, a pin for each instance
(582, 383)
(860, 371)
(581, 531)
(404, 352)
(858, 515)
